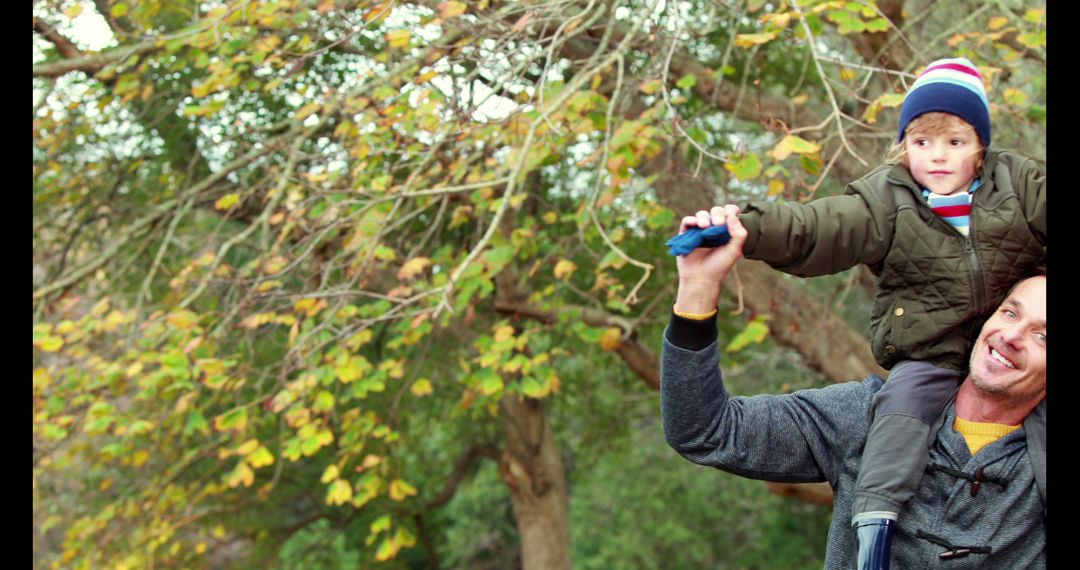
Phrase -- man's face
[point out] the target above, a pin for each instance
(944, 162)
(1009, 358)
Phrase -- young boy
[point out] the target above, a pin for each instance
(947, 226)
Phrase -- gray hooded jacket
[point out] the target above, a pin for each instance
(968, 512)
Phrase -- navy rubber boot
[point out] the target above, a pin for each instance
(872, 539)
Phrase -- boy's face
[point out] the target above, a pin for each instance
(943, 160)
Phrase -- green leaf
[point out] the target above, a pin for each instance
(381, 524)
(662, 218)
(119, 10)
(877, 25)
(755, 332)
(811, 164)
(1033, 39)
(491, 383)
(235, 420)
(687, 81)
(324, 401)
(748, 168)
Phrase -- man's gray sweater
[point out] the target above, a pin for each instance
(969, 512)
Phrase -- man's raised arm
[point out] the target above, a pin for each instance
(800, 437)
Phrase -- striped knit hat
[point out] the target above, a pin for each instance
(952, 86)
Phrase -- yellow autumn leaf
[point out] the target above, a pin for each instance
(503, 332)
(241, 475)
(399, 38)
(564, 268)
(73, 11)
(776, 186)
(421, 387)
(425, 77)
(413, 267)
(50, 343)
(1015, 97)
(369, 462)
(310, 307)
(449, 10)
(751, 40)
(227, 201)
(792, 143)
(330, 474)
(268, 285)
(400, 490)
(611, 338)
(274, 264)
(100, 308)
(139, 458)
(340, 492)
(248, 447)
(997, 22)
(267, 44)
(261, 458)
(377, 12)
(182, 319)
(387, 550)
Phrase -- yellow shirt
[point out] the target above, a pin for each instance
(978, 435)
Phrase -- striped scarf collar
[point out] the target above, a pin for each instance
(926, 193)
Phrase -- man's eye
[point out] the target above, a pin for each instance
(1041, 337)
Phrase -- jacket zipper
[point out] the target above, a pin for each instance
(976, 267)
(969, 246)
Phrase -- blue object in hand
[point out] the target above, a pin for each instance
(693, 238)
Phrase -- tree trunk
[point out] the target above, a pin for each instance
(532, 469)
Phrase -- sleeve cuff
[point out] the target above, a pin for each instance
(691, 334)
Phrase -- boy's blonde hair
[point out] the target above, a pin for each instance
(931, 124)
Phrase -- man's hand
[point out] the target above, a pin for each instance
(702, 271)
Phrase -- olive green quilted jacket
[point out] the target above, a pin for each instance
(935, 286)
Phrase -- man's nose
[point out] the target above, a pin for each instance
(1012, 335)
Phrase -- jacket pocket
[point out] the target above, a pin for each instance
(886, 326)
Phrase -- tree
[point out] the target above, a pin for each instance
(280, 246)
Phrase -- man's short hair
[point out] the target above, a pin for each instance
(1037, 271)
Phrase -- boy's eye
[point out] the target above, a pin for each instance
(1041, 337)
(957, 142)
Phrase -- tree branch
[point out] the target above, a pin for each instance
(464, 463)
(65, 47)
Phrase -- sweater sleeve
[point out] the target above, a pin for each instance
(822, 237)
(801, 437)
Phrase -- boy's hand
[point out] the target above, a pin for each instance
(702, 271)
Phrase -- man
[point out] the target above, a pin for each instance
(978, 504)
